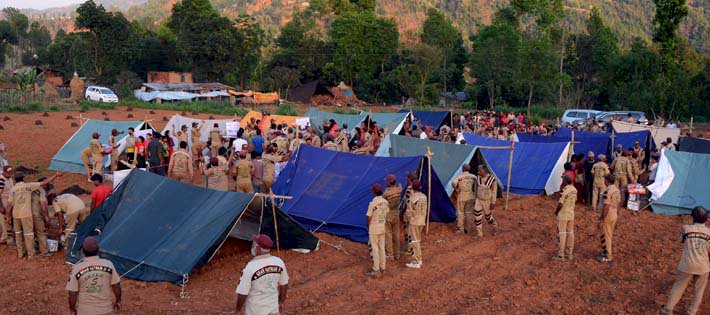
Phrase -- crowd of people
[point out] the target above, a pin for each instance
(252, 160)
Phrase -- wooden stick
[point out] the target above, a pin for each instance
(276, 226)
(510, 170)
(429, 154)
(272, 195)
(569, 155)
(691, 125)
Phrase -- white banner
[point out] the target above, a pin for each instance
(232, 128)
(143, 133)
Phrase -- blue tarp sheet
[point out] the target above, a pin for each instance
(537, 167)
(426, 118)
(174, 95)
(331, 190)
(316, 117)
(688, 176)
(392, 122)
(68, 159)
(594, 140)
(160, 229)
(594, 143)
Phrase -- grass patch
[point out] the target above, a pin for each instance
(219, 108)
(596, 300)
(633, 279)
(287, 109)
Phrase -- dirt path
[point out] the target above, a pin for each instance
(509, 273)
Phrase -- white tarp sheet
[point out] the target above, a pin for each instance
(177, 121)
(174, 95)
(659, 134)
(664, 178)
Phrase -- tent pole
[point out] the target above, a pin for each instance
(276, 227)
(510, 170)
(613, 135)
(569, 155)
(428, 207)
(691, 125)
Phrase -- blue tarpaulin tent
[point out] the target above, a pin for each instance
(68, 159)
(695, 145)
(433, 119)
(681, 182)
(586, 143)
(392, 122)
(446, 160)
(331, 190)
(537, 167)
(595, 140)
(317, 116)
(156, 229)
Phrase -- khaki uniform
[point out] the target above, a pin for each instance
(131, 148)
(464, 185)
(612, 198)
(243, 172)
(181, 136)
(93, 278)
(342, 142)
(565, 221)
(295, 143)
(331, 146)
(21, 202)
(315, 141)
(180, 167)
(281, 144)
(269, 161)
(217, 178)
(97, 156)
(693, 266)
(75, 212)
(641, 155)
(393, 195)
(197, 144)
(599, 171)
(39, 199)
(365, 150)
(114, 153)
(85, 158)
(416, 217)
(486, 190)
(622, 172)
(377, 212)
(6, 185)
(216, 138)
(634, 174)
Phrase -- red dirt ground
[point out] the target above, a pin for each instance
(510, 273)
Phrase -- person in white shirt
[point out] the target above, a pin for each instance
(264, 282)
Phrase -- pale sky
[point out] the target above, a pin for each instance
(37, 4)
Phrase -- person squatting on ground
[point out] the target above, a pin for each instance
(694, 262)
(565, 220)
(20, 210)
(92, 282)
(486, 190)
(393, 195)
(97, 155)
(74, 209)
(464, 185)
(416, 216)
(263, 285)
(376, 218)
(607, 220)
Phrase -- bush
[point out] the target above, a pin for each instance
(346, 111)
(210, 107)
(287, 110)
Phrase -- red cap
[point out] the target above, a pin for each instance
(263, 240)
(90, 244)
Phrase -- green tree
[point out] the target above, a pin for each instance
(537, 71)
(301, 46)
(19, 21)
(669, 14)
(419, 62)
(8, 36)
(439, 31)
(109, 33)
(494, 61)
(361, 44)
(69, 53)
(249, 38)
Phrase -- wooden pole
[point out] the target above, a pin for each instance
(510, 171)
(569, 155)
(429, 154)
(613, 135)
(276, 226)
(691, 125)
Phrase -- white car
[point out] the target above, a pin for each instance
(100, 94)
(572, 115)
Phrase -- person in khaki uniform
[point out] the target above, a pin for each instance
(341, 140)
(270, 158)
(329, 144)
(6, 184)
(376, 221)
(640, 152)
(599, 171)
(464, 185)
(622, 172)
(486, 190)
(216, 139)
(195, 135)
(114, 153)
(20, 211)
(40, 218)
(361, 149)
(217, 175)
(281, 143)
(180, 167)
(416, 216)
(565, 220)
(88, 165)
(96, 154)
(243, 172)
(92, 282)
(73, 209)
(694, 264)
(635, 171)
(181, 134)
(131, 146)
(393, 195)
(607, 221)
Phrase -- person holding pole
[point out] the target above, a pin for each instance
(486, 191)
(416, 217)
